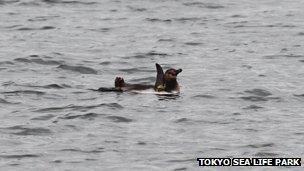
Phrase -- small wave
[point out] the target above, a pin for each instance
(103, 30)
(254, 107)
(45, 62)
(238, 16)
(182, 120)
(49, 86)
(299, 95)
(19, 156)
(141, 143)
(68, 2)
(159, 20)
(82, 108)
(180, 169)
(136, 70)
(44, 117)
(181, 160)
(278, 25)
(24, 131)
(41, 18)
(300, 34)
(185, 19)
(105, 63)
(24, 92)
(130, 70)
(260, 145)
(206, 96)
(254, 98)
(258, 92)
(154, 53)
(166, 40)
(283, 56)
(258, 95)
(251, 130)
(204, 5)
(88, 116)
(4, 2)
(146, 55)
(40, 28)
(22, 60)
(30, 3)
(6, 63)
(38, 61)
(167, 96)
(99, 150)
(193, 43)
(3, 101)
(12, 26)
(266, 154)
(57, 161)
(135, 9)
(119, 119)
(80, 69)
(56, 86)
(299, 133)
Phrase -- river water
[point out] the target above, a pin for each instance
(241, 87)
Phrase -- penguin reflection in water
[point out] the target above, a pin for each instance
(165, 82)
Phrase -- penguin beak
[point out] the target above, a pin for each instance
(178, 71)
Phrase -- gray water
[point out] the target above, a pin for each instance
(241, 86)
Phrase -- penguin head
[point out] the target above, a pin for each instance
(171, 74)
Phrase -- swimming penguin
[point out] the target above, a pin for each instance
(164, 82)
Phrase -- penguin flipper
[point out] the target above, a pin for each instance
(159, 77)
(109, 89)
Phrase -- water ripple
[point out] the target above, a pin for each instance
(19, 156)
(88, 116)
(181, 160)
(3, 101)
(24, 92)
(99, 150)
(44, 117)
(266, 154)
(193, 43)
(39, 28)
(260, 145)
(4, 2)
(205, 96)
(299, 95)
(158, 20)
(75, 107)
(258, 92)
(204, 5)
(68, 2)
(258, 95)
(253, 107)
(119, 119)
(285, 56)
(80, 69)
(24, 131)
(38, 61)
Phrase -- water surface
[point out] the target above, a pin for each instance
(241, 86)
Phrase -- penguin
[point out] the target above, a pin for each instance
(164, 82)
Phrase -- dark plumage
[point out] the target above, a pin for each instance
(164, 82)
